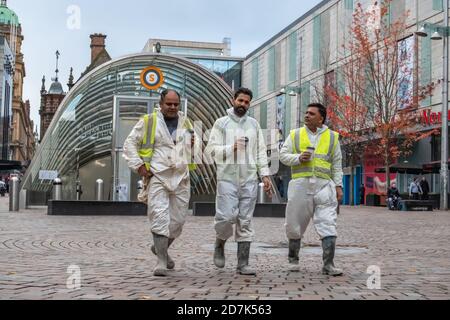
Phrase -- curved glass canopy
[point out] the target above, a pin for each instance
(78, 146)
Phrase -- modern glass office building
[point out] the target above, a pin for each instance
(228, 69)
(291, 69)
(85, 139)
(216, 57)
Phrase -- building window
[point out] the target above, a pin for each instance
(306, 97)
(271, 71)
(317, 31)
(425, 66)
(229, 71)
(348, 4)
(340, 81)
(287, 116)
(263, 115)
(255, 77)
(435, 148)
(251, 112)
(438, 5)
(293, 44)
(329, 84)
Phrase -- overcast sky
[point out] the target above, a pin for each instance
(49, 25)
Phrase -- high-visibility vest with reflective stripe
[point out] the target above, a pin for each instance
(320, 166)
(148, 141)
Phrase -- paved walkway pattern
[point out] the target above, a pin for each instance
(112, 257)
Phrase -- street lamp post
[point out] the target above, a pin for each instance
(293, 91)
(444, 132)
(444, 138)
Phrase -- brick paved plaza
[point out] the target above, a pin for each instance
(113, 253)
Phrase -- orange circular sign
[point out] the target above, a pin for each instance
(152, 78)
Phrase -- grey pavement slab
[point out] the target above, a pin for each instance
(41, 257)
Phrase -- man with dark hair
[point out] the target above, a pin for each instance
(322, 110)
(314, 153)
(238, 147)
(244, 91)
(157, 149)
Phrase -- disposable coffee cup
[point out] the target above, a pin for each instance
(245, 140)
(311, 150)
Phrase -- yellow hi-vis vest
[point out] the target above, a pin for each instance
(320, 166)
(148, 142)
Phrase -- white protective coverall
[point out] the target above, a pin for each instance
(237, 174)
(169, 189)
(308, 200)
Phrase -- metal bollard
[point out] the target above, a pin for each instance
(99, 190)
(140, 186)
(14, 194)
(262, 196)
(79, 190)
(57, 189)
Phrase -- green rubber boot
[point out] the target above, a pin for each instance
(329, 247)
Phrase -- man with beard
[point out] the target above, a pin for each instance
(238, 147)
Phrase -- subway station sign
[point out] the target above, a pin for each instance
(152, 78)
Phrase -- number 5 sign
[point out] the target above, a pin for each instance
(152, 78)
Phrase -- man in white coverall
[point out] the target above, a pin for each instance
(154, 149)
(238, 147)
(314, 153)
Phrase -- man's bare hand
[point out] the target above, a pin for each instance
(340, 194)
(267, 186)
(143, 172)
(305, 157)
(240, 144)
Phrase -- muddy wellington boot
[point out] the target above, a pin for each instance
(294, 249)
(329, 247)
(243, 256)
(170, 262)
(161, 245)
(219, 253)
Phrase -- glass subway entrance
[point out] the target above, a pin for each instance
(85, 140)
(127, 112)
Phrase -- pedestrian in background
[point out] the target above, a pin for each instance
(414, 189)
(425, 188)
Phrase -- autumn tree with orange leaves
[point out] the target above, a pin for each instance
(374, 108)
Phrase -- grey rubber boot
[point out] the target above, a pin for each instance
(161, 246)
(294, 249)
(219, 253)
(243, 255)
(170, 262)
(329, 247)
